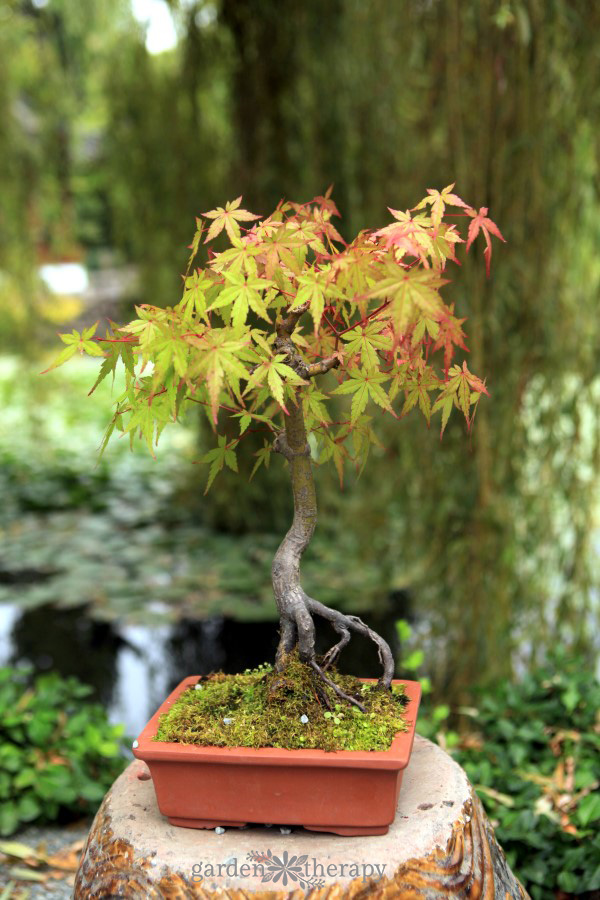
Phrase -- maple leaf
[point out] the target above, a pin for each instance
(237, 258)
(278, 248)
(333, 449)
(275, 371)
(109, 365)
(365, 385)
(417, 392)
(438, 200)
(218, 360)
(313, 406)
(450, 334)
(244, 294)
(481, 222)
(405, 235)
(194, 295)
(366, 340)
(263, 458)
(463, 390)
(311, 291)
(326, 203)
(76, 343)
(222, 455)
(411, 292)
(228, 218)
(195, 243)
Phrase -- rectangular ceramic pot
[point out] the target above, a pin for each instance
(346, 792)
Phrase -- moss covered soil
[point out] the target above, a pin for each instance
(292, 710)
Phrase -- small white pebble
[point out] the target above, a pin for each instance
(285, 830)
(219, 830)
(228, 721)
(135, 745)
(153, 862)
(197, 687)
(304, 719)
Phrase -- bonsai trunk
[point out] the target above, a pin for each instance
(296, 608)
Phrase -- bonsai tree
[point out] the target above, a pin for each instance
(273, 330)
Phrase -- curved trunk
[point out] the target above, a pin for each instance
(296, 609)
(296, 622)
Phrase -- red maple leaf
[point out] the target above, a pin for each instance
(481, 222)
(450, 336)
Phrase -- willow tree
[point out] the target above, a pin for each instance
(236, 342)
(507, 97)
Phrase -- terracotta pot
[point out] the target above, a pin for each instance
(346, 792)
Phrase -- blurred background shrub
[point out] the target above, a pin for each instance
(58, 753)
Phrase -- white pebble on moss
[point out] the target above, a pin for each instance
(304, 719)
(135, 745)
(228, 721)
(197, 687)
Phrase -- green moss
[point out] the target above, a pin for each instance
(264, 709)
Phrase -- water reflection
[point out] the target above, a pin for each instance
(133, 667)
(69, 642)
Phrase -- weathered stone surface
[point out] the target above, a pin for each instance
(440, 845)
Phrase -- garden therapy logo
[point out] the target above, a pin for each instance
(286, 869)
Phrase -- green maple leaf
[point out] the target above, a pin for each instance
(219, 359)
(76, 343)
(194, 295)
(277, 374)
(109, 365)
(366, 340)
(365, 385)
(244, 293)
(195, 243)
(463, 390)
(237, 259)
(222, 455)
(263, 457)
(411, 292)
(424, 324)
(417, 392)
(333, 449)
(313, 405)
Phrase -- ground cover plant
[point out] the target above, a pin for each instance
(58, 752)
(237, 344)
(532, 753)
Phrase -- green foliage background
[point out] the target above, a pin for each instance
(58, 752)
(108, 147)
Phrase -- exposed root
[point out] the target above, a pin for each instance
(343, 624)
(341, 694)
(298, 628)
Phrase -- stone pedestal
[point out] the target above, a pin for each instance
(440, 845)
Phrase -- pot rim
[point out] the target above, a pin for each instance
(394, 758)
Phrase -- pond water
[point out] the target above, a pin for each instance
(132, 667)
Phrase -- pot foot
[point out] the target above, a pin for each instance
(350, 830)
(203, 823)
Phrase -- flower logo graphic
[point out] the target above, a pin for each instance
(280, 868)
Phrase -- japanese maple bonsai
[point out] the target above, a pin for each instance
(241, 343)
